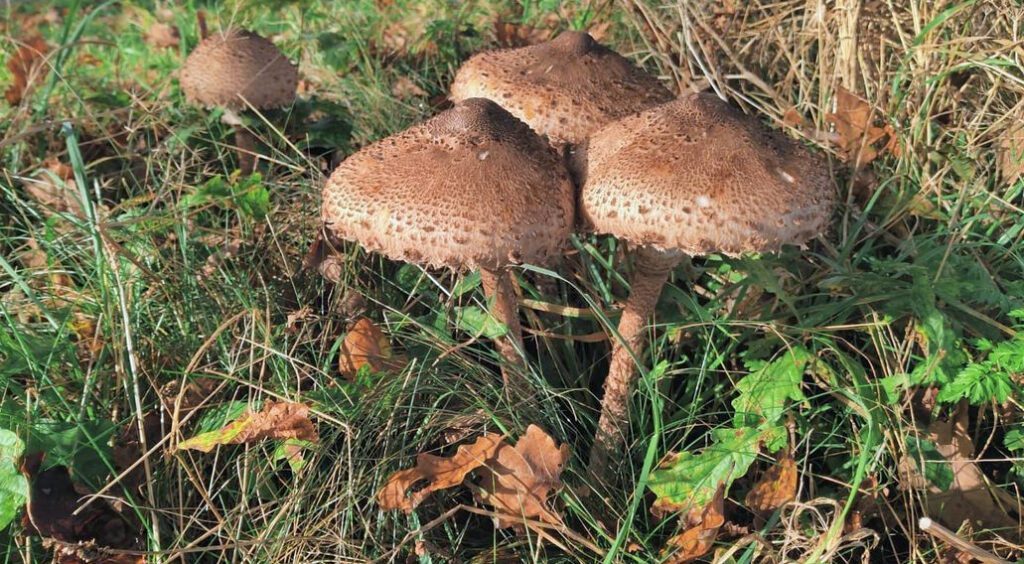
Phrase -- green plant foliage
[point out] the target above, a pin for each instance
(764, 392)
(248, 195)
(13, 486)
(935, 466)
(479, 323)
(990, 379)
(83, 446)
(690, 480)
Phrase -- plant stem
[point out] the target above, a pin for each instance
(651, 271)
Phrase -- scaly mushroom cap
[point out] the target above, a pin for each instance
(565, 88)
(698, 176)
(471, 187)
(238, 64)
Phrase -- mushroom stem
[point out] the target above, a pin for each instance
(247, 148)
(499, 289)
(652, 269)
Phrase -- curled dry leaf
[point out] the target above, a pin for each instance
(277, 420)
(51, 511)
(54, 187)
(970, 497)
(365, 344)
(701, 529)
(776, 487)
(1011, 153)
(405, 88)
(856, 134)
(516, 481)
(25, 64)
(438, 471)
(162, 36)
(519, 480)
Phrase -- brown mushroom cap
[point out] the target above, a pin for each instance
(565, 88)
(227, 69)
(471, 187)
(699, 176)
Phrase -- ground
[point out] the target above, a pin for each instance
(811, 404)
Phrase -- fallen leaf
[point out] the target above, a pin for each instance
(776, 487)
(1011, 153)
(162, 36)
(438, 471)
(970, 496)
(405, 88)
(25, 65)
(702, 525)
(793, 118)
(509, 34)
(53, 501)
(277, 420)
(54, 187)
(365, 344)
(128, 446)
(518, 481)
(855, 132)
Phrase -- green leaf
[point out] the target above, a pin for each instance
(979, 383)
(291, 451)
(83, 447)
(478, 322)
(1014, 439)
(13, 486)
(765, 391)
(936, 469)
(690, 480)
(216, 417)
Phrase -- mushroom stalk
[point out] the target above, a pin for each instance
(247, 149)
(499, 290)
(652, 269)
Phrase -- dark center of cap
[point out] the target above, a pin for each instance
(574, 42)
(474, 116)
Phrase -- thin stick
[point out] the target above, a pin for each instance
(949, 537)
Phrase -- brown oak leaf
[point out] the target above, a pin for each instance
(856, 134)
(518, 481)
(439, 472)
(702, 525)
(162, 36)
(776, 487)
(277, 420)
(25, 65)
(365, 344)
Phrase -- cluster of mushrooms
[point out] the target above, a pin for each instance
(543, 140)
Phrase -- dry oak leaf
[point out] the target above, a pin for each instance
(856, 134)
(162, 36)
(54, 187)
(1011, 153)
(277, 420)
(702, 525)
(518, 481)
(776, 487)
(970, 497)
(25, 65)
(438, 471)
(365, 344)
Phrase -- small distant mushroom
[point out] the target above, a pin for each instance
(472, 187)
(690, 177)
(234, 70)
(565, 88)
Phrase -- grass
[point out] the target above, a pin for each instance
(152, 283)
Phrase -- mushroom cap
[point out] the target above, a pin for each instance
(229, 68)
(565, 88)
(471, 187)
(698, 176)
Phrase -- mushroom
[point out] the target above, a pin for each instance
(690, 177)
(565, 88)
(472, 187)
(235, 70)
